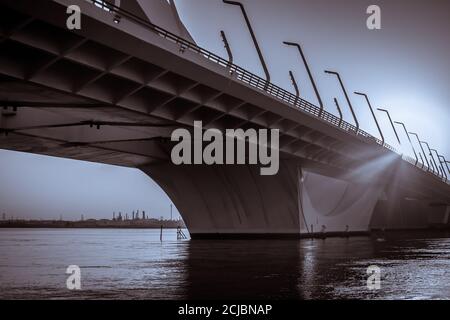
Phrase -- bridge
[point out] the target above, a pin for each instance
(114, 90)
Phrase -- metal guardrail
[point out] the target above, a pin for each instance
(251, 79)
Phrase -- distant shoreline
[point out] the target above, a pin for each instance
(93, 224)
(90, 227)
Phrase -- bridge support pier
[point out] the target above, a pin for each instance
(399, 209)
(236, 201)
(227, 201)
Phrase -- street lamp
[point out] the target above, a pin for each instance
(441, 167)
(431, 155)
(446, 164)
(339, 110)
(255, 42)
(421, 158)
(410, 142)
(346, 97)
(373, 114)
(444, 161)
(311, 78)
(392, 124)
(294, 83)
(227, 46)
(423, 151)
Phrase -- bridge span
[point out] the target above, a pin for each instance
(113, 91)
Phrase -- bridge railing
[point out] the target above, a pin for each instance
(424, 168)
(249, 78)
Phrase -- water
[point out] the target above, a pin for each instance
(134, 264)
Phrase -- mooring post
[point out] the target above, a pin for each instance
(160, 234)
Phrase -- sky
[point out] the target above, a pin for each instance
(403, 67)
(42, 187)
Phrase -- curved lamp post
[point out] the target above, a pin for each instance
(311, 78)
(373, 114)
(255, 42)
(410, 142)
(392, 124)
(294, 84)
(339, 110)
(346, 97)
(423, 151)
(227, 46)
(431, 155)
(421, 158)
(441, 167)
(446, 164)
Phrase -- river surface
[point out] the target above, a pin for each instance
(135, 264)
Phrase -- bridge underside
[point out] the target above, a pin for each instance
(89, 96)
(237, 202)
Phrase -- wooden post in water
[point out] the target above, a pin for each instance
(160, 234)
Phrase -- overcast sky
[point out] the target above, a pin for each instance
(403, 67)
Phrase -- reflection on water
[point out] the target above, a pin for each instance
(130, 264)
